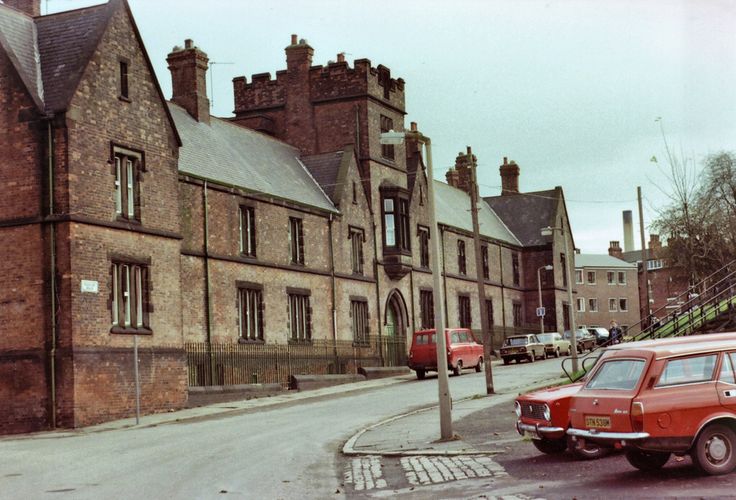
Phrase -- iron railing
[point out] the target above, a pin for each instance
(260, 363)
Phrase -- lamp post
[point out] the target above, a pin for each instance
(548, 231)
(392, 137)
(548, 267)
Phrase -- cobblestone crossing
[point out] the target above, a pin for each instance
(365, 473)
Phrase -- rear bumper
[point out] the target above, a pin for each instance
(540, 431)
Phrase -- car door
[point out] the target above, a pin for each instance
(726, 385)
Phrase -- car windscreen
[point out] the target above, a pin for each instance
(515, 341)
(545, 337)
(619, 374)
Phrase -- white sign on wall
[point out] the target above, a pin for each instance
(89, 286)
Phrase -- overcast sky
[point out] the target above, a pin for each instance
(568, 89)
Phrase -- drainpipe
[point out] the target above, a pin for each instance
(444, 274)
(378, 291)
(52, 234)
(503, 299)
(208, 297)
(334, 299)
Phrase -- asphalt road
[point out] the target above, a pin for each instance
(289, 451)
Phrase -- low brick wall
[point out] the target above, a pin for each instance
(373, 372)
(309, 382)
(201, 396)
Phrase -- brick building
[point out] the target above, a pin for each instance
(129, 218)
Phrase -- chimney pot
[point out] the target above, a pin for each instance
(293, 39)
(505, 160)
(413, 126)
(341, 57)
(188, 43)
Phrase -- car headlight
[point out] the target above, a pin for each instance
(545, 412)
(517, 409)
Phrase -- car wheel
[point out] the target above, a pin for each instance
(557, 352)
(532, 357)
(550, 446)
(590, 451)
(647, 461)
(715, 450)
(458, 370)
(479, 366)
(421, 374)
(506, 361)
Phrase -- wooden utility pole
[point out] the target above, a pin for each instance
(644, 258)
(485, 330)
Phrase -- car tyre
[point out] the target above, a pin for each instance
(647, 461)
(532, 357)
(421, 374)
(458, 370)
(715, 450)
(479, 366)
(591, 451)
(550, 446)
(557, 352)
(506, 361)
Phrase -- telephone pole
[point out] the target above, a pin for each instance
(485, 330)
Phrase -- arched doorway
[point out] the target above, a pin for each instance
(395, 323)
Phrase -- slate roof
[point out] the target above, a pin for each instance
(526, 214)
(600, 260)
(325, 169)
(453, 209)
(66, 42)
(227, 153)
(18, 40)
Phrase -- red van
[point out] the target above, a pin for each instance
(463, 351)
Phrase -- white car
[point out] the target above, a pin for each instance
(554, 344)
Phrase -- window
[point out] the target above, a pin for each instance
(591, 277)
(300, 316)
(357, 238)
(296, 240)
(489, 310)
(396, 221)
(463, 303)
(655, 264)
(484, 258)
(124, 80)
(611, 277)
(593, 305)
(127, 169)
(387, 150)
(621, 278)
(421, 195)
(623, 305)
(250, 312)
(727, 372)
(621, 374)
(426, 306)
(688, 370)
(578, 276)
(355, 193)
(423, 246)
(515, 268)
(612, 305)
(516, 309)
(563, 266)
(359, 314)
(130, 303)
(580, 305)
(248, 231)
(461, 264)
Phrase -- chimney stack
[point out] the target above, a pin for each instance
(461, 175)
(628, 231)
(509, 177)
(188, 68)
(30, 7)
(654, 244)
(298, 56)
(614, 250)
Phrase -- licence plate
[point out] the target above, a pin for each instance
(598, 422)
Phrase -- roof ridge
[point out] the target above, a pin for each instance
(56, 14)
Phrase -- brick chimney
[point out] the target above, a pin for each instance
(298, 56)
(461, 175)
(654, 244)
(614, 250)
(188, 68)
(30, 7)
(509, 177)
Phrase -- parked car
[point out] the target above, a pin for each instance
(601, 334)
(657, 398)
(544, 416)
(521, 347)
(554, 344)
(463, 351)
(584, 340)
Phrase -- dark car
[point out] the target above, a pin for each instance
(601, 334)
(585, 341)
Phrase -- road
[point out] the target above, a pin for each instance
(288, 451)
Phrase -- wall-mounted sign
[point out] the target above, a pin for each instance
(89, 286)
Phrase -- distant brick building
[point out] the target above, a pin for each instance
(127, 217)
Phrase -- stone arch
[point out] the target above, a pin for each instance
(395, 325)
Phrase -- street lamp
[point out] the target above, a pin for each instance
(548, 231)
(540, 312)
(395, 138)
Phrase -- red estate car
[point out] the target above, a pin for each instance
(462, 351)
(654, 399)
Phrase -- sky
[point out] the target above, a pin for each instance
(569, 89)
